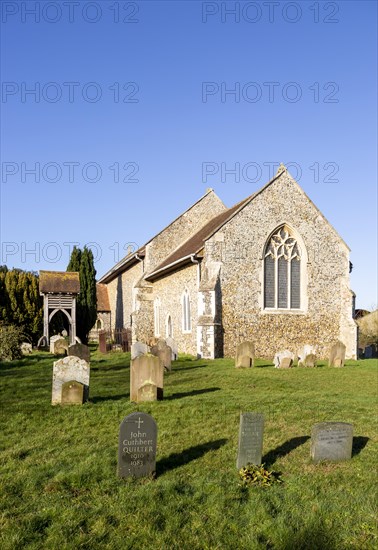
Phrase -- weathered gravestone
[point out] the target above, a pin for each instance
(137, 446)
(250, 439)
(137, 349)
(146, 368)
(81, 351)
(337, 355)
(60, 347)
(174, 347)
(331, 441)
(245, 355)
(283, 359)
(164, 353)
(307, 356)
(68, 369)
(72, 393)
(42, 344)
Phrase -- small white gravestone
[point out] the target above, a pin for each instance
(26, 348)
(68, 369)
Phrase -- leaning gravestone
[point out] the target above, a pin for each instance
(137, 446)
(146, 368)
(72, 393)
(80, 350)
(137, 349)
(310, 360)
(331, 441)
(174, 347)
(337, 355)
(245, 355)
(250, 439)
(69, 369)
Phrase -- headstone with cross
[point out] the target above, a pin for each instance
(137, 446)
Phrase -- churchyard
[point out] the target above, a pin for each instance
(61, 485)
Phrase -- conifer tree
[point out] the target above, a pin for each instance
(86, 310)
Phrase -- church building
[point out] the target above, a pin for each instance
(271, 269)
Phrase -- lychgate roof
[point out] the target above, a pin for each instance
(59, 282)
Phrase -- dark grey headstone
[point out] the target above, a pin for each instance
(81, 351)
(331, 441)
(250, 439)
(72, 393)
(137, 445)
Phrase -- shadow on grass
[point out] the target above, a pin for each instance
(175, 460)
(284, 449)
(178, 368)
(190, 393)
(316, 535)
(359, 443)
(101, 398)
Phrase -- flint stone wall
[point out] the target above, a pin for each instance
(327, 315)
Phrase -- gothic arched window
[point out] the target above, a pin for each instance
(282, 271)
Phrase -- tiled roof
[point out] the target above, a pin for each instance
(102, 297)
(66, 282)
(196, 243)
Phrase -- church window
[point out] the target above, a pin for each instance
(282, 271)
(157, 316)
(186, 312)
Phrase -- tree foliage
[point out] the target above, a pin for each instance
(11, 337)
(86, 310)
(20, 302)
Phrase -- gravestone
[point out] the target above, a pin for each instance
(81, 351)
(72, 393)
(146, 368)
(26, 348)
(68, 369)
(337, 355)
(283, 359)
(137, 349)
(60, 347)
(174, 347)
(331, 441)
(137, 446)
(53, 339)
(310, 360)
(368, 352)
(305, 352)
(245, 355)
(102, 341)
(164, 353)
(250, 439)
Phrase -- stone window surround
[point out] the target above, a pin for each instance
(303, 276)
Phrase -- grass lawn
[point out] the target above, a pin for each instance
(59, 488)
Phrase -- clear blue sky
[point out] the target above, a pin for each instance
(305, 89)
